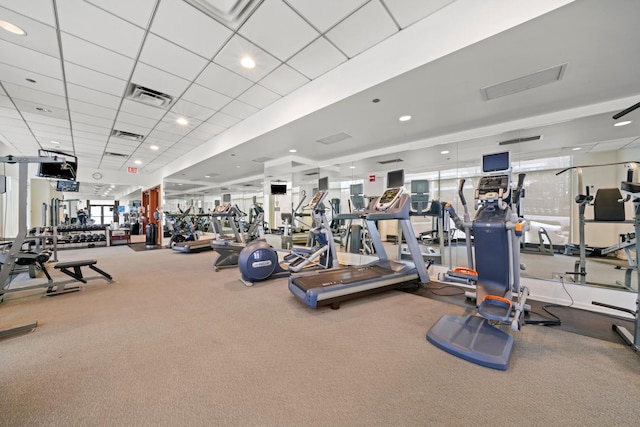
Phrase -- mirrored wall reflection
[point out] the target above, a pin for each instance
(551, 246)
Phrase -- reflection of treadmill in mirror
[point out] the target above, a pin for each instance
(330, 287)
(421, 207)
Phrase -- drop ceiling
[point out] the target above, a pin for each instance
(79, 59)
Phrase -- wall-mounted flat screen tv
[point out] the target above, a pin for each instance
(66, 170)
(67, 186)
(278, 189)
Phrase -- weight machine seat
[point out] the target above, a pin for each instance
(606, 206)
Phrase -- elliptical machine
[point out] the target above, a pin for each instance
(259, 261)
(497, 231)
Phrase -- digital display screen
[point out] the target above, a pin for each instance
(395, 178)
(226, 197)
(323, 184)
(495, 162)
(419, 186)
(67, 186)
(388, 195)
(356, 189)
(277, 189)
(66, 170)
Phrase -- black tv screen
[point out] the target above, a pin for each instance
(66, 170)
(226, 198)
(67, 186)
(495, 162)
(278, 189)
(323, 184)
(395, 179)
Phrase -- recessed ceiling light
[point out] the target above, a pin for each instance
(154, 147)
(182, 121)
(444, 152)
(404, 118)
(248, 62)
(576, 148)
(55, 142)
(207, 176)
(238, 166)
(44, 110)
(293, 150)
(138, 162)
(352, 167)
(8, 26)
(626, 122)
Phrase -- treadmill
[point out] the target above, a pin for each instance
(330, 287)
(226, 246)
(194, 246)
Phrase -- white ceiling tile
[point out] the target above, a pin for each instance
(43, 127)
(206, 97)
(79, 132)
(46, 137)
(140, 109)
(137, 12)
(40, 37)
(224, 120)
(406, 12)
(39, 10)
(169, 125)
(97, 58)
(325, 14)
(92, 79)
(368, 26)
(223, 81)
(190, 110)
(84, 94)
(121, 147)
(164, 136)
(30, 60)
(91, 120)
(259, 96)
(238, 48)
(208, 129)
(92, 109)
(42, 83)
(158, 80)
(90, 145)
(135, 120)
(36, 117)
(290, 34)
(239, 109)
(97, 26)
(284, 80)
(54, 113)
(34, 96)
(317, 58)
(171, 58)
(177, 21)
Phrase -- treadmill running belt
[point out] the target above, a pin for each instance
(341, 276)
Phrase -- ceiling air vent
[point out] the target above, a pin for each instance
(311, 173)
(127, 135)
(519, 140)
(386, 162)
(228, 12)
(148, 96)
(332, 139)
(530, 81)
(118, 155)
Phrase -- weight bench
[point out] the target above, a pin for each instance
(77, 272)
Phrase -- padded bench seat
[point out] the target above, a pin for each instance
(77, 272)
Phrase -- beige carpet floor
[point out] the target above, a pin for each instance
(172, 343)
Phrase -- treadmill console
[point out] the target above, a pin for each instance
(222, 208)
(388, 198)
(317, 199)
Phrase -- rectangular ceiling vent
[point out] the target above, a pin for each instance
(311, 173)
(262, 159)
(520, 84)
(148, 96)
(332, 139)
(519, 140)
(231, 13)
(386, 162)
(118, 155)
(127, 135)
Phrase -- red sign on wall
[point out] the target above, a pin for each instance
(372, 178)
(132, 170)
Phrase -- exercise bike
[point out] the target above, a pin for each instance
(259, 261)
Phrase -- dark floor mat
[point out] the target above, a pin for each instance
(595, 325)
(142, 247)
